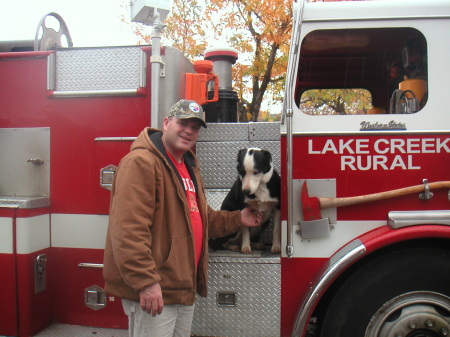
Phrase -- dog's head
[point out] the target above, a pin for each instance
(254, 168)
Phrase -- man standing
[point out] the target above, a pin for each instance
(156, 254)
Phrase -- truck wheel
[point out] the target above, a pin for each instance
(404, 293)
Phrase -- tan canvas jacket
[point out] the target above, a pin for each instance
(149, 236)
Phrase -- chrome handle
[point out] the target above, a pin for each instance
(91, 265)
(35, 161)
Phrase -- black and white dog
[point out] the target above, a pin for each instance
(258, 186)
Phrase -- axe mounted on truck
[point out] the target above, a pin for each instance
(311, 206)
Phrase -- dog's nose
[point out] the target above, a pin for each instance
(247, 191)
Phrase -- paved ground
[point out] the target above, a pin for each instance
(62, 330)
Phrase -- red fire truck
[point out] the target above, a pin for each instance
(363, 149)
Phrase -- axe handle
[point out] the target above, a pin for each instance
(338, 202)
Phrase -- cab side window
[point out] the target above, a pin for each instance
(362, 71)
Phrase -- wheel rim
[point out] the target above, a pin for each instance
(414, 314)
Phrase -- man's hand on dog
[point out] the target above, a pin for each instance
(250, 218)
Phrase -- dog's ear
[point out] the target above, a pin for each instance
(267, 155)
(240, 160)
(267, 160)
(241, 155)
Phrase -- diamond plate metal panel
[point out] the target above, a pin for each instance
(219, 144)
(23, 202)
(218, 160)
(241, 131)
(228, 132)
(255, 257)
(98, 69)
(256, 288)
(265, 131)
(215, 197)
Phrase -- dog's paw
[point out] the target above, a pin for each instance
(246, 250)
(233, 248)
(276, 249)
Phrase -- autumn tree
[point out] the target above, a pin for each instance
(186, 28)
(259, 30)
(335, 101)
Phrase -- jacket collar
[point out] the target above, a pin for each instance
(189, 160)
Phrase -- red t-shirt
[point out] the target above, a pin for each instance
(191, 195)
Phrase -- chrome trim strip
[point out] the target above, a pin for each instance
(114, 139)
(256, 257)
(91, 265)
(412, 17)
(377, 18)
(95, 93)
(287, 117)
(142, 69)
(309, 133)
(400, 219)
(51, 71)
(338, 262)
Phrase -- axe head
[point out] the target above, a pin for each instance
(310, 205)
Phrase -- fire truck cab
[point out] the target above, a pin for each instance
(363, 149)
(364, 233)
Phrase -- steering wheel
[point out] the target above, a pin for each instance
(49, 39)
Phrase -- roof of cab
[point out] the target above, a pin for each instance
(375, 9)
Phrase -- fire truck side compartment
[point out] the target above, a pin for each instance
(25, 167)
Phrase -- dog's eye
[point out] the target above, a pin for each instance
(256, 172)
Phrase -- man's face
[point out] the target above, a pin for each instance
(180, 135)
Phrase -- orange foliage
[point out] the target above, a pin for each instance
(261, 33)
(259, 30)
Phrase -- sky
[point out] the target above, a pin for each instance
(90, 22)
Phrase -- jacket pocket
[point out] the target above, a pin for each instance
(176, 272)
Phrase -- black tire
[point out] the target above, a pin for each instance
(413, 271)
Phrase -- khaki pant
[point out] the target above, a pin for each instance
(174, 321)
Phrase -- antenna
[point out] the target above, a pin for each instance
(145, 11)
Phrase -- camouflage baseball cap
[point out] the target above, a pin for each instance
(185, 109)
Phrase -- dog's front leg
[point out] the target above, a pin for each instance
(234, 244)
(276, 238)
(245, 246)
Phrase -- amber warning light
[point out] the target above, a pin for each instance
(197, 84)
